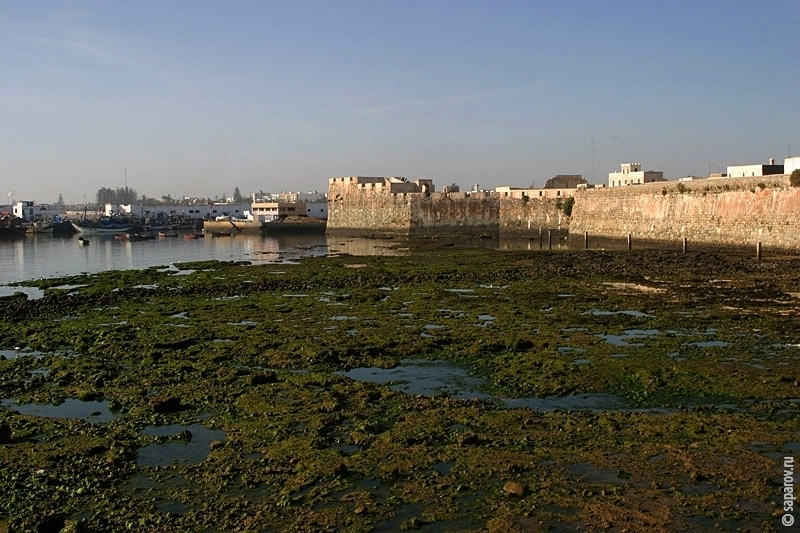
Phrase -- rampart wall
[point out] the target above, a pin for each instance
(730, 211)
(520, 217)
(370, 213)
(455, 213)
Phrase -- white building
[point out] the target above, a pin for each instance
(744, 171)
(317, 210)
(790, 164)
(31, 211)
(194, 212)
(632, 174)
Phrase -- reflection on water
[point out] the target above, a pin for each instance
(47, 256)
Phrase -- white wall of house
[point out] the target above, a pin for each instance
(317, 210)
(743, 171)
(790, 164)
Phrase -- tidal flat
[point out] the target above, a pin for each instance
(447, 389)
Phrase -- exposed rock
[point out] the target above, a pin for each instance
(165, 404)
(51, 522)
(175, 345)
(260, 378)
(513, 488)
(214, 444)
(468, 438)
(5, 433)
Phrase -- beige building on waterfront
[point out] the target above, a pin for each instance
(271, 211)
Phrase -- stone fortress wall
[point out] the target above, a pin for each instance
(728, 211)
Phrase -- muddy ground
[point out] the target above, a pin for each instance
(594, 391)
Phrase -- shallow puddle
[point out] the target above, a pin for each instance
(14, 354)
(68, 287)
(180, 451)
(628, 336)
(419, 376)
(600, 312)
(577, 402)
(31, 292)
(94, 411)
(709, 344)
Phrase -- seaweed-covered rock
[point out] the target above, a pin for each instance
(260, 378)
(165, 404)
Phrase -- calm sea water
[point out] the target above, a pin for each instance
(48, 256)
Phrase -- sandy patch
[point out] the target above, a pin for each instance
(636, 287)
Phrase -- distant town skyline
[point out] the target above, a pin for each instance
(196, 98)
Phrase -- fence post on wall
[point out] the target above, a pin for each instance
(540, 237)
(629, 241)
(758, 251)
(549, 240)
(685, 245)
(585, 240)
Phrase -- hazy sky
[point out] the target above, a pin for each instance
(198, 97)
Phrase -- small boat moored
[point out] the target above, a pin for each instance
(83, 242)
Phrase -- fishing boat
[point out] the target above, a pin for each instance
(221, 233)
(104, 225)
(121, 236)
(163, 234)
(83, 241)
(192, 235)
(11, 226)
(43, 226)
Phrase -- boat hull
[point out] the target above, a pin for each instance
(91, 229)
(11, 232)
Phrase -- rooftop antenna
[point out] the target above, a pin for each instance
(11, 197)
(125, 182)
(592, 160)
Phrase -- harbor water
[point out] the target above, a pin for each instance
(47, 256)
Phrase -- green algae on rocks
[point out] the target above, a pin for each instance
(698, 355)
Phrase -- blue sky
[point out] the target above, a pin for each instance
(199, 97)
